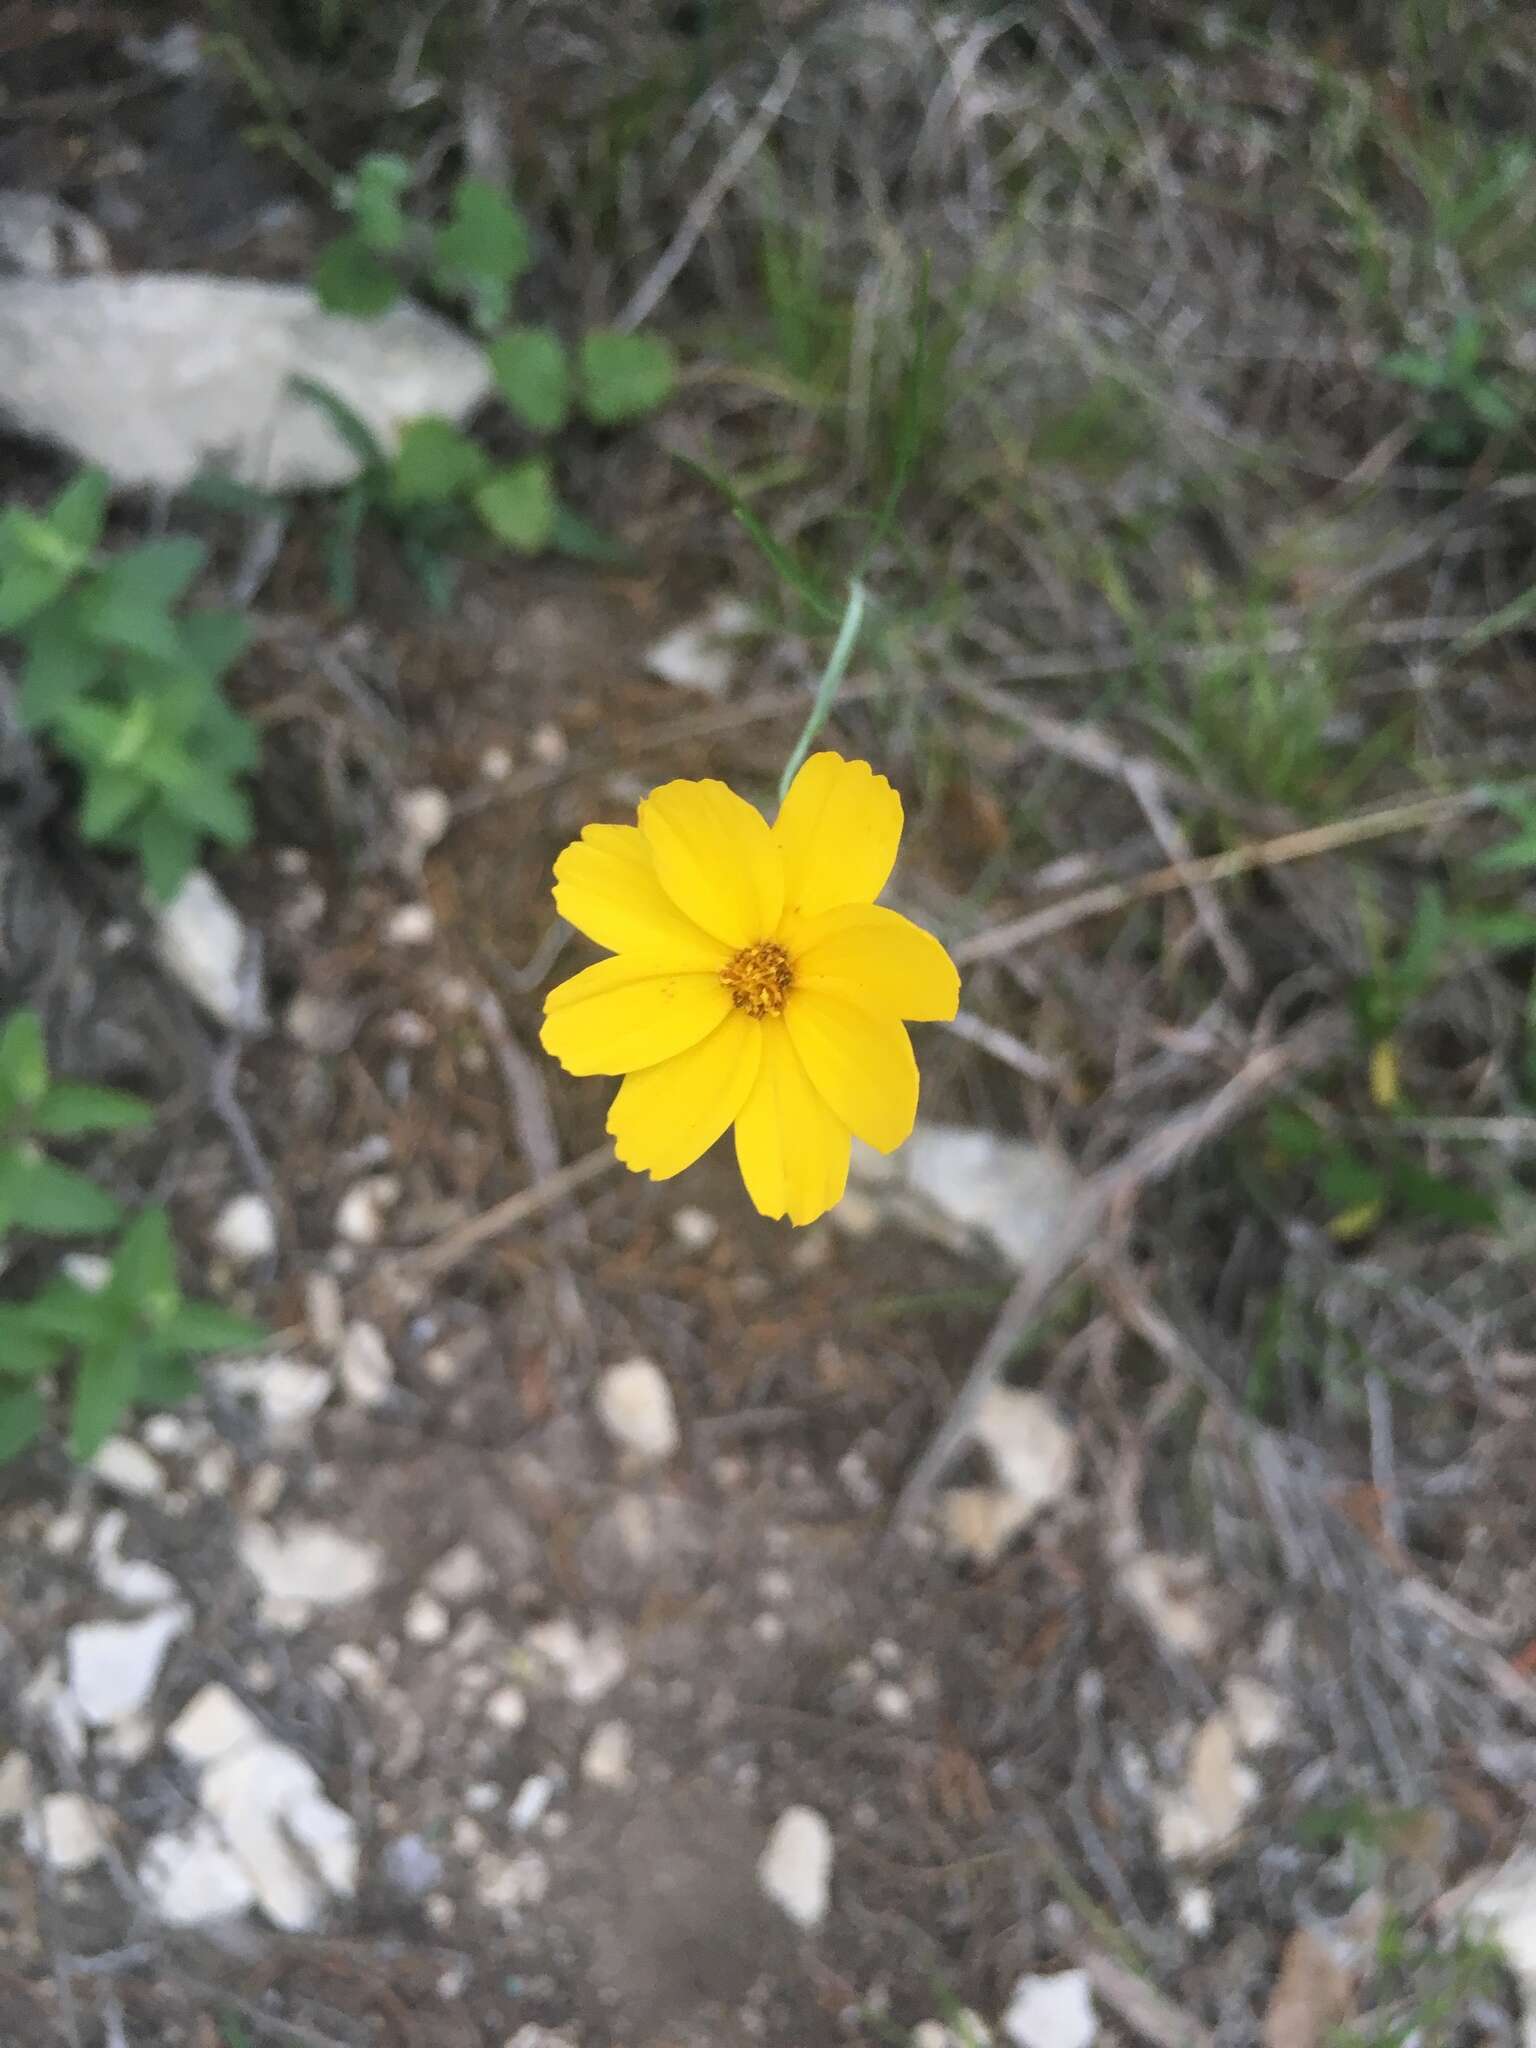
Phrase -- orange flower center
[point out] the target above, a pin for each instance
(759, 979)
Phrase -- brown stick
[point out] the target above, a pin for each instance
(454, 1246)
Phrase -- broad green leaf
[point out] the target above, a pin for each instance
(213, 641)
(204, 1326)
(373, 199)
(72, 1107)
(1420, 1193)
(624, 376)
(21, 1420)
(74, 1314)
(128, 602)
(144, 1268)
(79, 512)
(1420, 371)
(61, 666)
(112, 795)
(24, 1059)
(165, 1379)
(51, 1199)
(483, 250)
(26, 588)
(350, 279)
(25, 1350)
(168, 849)
(436, 463)
(106, 1387)
(533, 374)
(212, 802)
(518, 505)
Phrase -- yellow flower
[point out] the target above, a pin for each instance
(754, 981)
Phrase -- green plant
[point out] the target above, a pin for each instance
(1363, 1182)
(132, 1339)
(1466, 400)
(1421, 1990)
(440, 486)
(124, 684)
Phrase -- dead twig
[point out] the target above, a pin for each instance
(1102, 1199)
(454, 1246)
(1307, 844)
(706, 201)
(1145, 785)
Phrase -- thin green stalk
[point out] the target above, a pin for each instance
(831, 682)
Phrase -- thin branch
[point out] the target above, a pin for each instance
(454, 1246)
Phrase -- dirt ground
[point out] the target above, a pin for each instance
(1295, 1620)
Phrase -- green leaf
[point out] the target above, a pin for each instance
(350, 279)
(624, 376)
(25, 1350)
(168, 850)
(204, 1326)
(164, 1380)
(217, 806)
(128, 602)
(144, 1267)
(1412, 367)
(353, 429)
(51, 1199)
(24, 1059)
(79, 512)
(21, 1420)
(373, 199)
(74, 1314)
(26, 587)
(483, 250)
(570, 534)
(71, 1108)
(214, 641)
(436, 463)
(533, 374)
(112, 795)
(1420, 1193)
(61, 666)
(518, 505)
(106, 1387)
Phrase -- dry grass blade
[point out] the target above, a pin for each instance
(454, 1246)
(1308, 844)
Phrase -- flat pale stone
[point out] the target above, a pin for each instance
(113, 1666)
(245, 1229)
(203, 945)
(192, 1878)
(635, 1406)
(128, 1466)
(310, 1562)
(67, 1833)
(157, 379)
(1052, 2012)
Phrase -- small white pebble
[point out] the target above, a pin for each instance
(425, 815)
(634, 1405)
(892, 1702)
(361, 1211)
(88, 1270)
(128, 1466)
(66, 1832)
(795, 1869)
(507, 1708)
(1052, 2012)
(245, 1229)
(440, 1910)
(366, 1368)
(482, 1797)
(532, 1800)
(413, 924)
(769, 1629)
(1196, 1910)
(323, 1310)
(441, 1365)
(215, 1471)
(607, 1758)
(169, 1434)
(426, 1619)
(548, 745)
(468, 1836)
(460, 1574)
(496, 764)
(695, 1229)
(775, 1585)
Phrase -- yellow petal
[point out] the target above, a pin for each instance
(860, 1061)
(605, 885)
(716, 859)
(623, 1014)
(792, 1150)
(838, 829)
(663, 1118)
(875, 957)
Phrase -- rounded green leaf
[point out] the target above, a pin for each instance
(350, 279)
(624, 376)
(533, 375)
(518, 505)
(436, 463)
(23, 1059)
(71, 1108)
(51, 1199)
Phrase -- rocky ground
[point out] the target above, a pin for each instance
(601, 1618)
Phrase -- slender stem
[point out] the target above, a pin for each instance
(827, 689)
